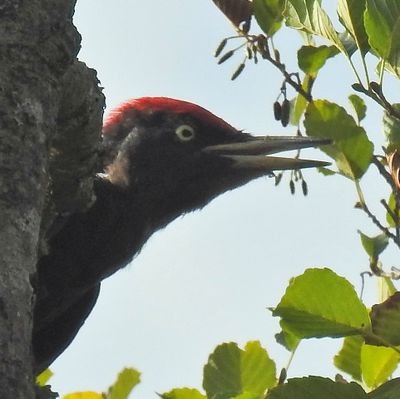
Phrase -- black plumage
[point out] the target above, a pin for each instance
(161, 158)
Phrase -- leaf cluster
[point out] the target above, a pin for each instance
(319, 303)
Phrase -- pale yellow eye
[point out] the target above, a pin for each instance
(185, 132)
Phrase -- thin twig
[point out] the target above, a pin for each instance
(377, 223)
(363, 274)
(378, 98)
(388, 177)
(375, 220)
(380, 226)
(288, 78)
(394, 215)
(260, 42)
(383, 171)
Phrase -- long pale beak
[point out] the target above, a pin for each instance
(253, 153)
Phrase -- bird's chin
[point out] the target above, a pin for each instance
(217, 186)
(243, 176)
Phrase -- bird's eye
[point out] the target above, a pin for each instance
(185, 132)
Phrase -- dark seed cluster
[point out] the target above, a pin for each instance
(296, 176)
(254, 46)
(282, 111)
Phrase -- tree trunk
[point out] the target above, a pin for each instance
(46, 96)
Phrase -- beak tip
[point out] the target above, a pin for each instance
(253, 153)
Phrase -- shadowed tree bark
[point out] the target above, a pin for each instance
(50, 118)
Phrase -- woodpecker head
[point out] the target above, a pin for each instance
(181, 156)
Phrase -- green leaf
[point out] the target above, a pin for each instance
(378, 364)
(391, 128)
(359, 106)
(351, 13)
(382, 24)
(84, 395)
(246, 395)
(349, 357)
(316, 388)
(388, 390)
(127, 379)
(326, 171)
(288, 340)
(231, 371)
(319, 303)
(183, 393)
(371, 364)
(351, 149)
(387, 288)
(311, 59)
(374, 246)
(382, 64)
(392, 207)
(385, 319)
(269, 14)
(308, 16)
(43, 378)
(348, 43)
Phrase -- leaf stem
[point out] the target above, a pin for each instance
(365, 68)
(292, 353)
(394, 214)
(355, 70)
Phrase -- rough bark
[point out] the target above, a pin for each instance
(46, 96)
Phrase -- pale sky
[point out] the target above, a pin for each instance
(209, 277)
